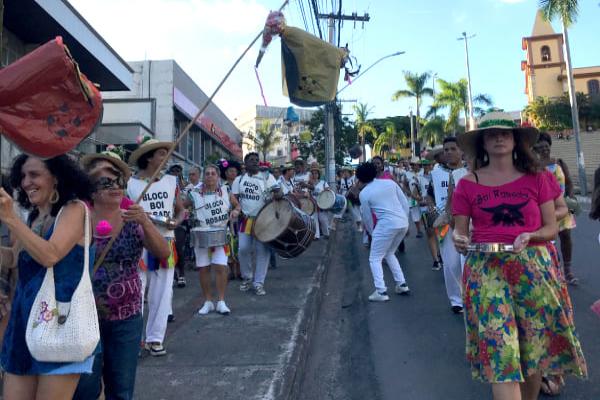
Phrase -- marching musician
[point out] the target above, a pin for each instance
(231, 169)
(250, 190)
(301, 175)
(163, 203)
(181, 231)
(345, 189)
(286, 180)
(214, 206)
(413, 178)
(432, 240)
(321, 217)
(443, 181)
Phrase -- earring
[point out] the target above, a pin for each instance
(55, 197)
(485, 157)
(514, 155)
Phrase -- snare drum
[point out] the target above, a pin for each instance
(209, 238)
(328, 200)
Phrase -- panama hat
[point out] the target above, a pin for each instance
(415, 160)
(299, 160)
(146, 146)
(287, 166)
(315, 166)
(110, 156)
(495, 121)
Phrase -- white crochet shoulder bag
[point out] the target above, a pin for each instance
(64, 332)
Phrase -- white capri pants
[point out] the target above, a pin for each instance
(453, 270)
(384, 243)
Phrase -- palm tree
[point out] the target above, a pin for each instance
(416, 88)
(363, 127)
(389, 139)
(265, 139)
(567, 11)
(454, 95)
(434, 131)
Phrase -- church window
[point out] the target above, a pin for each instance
(593, 87)
(546, 54)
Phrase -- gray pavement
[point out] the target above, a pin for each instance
(256, 352)
(418, 344)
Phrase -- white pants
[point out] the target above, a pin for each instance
(160, 296)
(453, 270)
(247, 243)
(355, 211)
(323, 222)
(415, 213)
(384, 243)
(315, 218)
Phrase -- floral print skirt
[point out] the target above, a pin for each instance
(519, 317)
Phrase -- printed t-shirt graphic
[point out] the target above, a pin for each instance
(439, 182)
(159, 199)
(251, 192)
(211, 209)
(286, 186)
(500, 213)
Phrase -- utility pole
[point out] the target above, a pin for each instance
(471, 119)
(412, 134)
(331, 106)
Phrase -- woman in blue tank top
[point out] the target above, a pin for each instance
(43, 187)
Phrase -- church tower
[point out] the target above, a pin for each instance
(545, 64)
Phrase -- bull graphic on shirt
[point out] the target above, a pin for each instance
(507, 214)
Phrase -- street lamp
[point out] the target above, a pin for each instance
(471, 118)
(371, 66)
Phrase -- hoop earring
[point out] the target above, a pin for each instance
(55, 197)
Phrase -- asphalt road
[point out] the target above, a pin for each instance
(412, 347)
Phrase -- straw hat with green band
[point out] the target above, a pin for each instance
(287, 167)
(148, 144)
(112, 156)
(496, 121)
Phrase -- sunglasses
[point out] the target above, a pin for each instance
(104, 183)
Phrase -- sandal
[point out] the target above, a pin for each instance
(552, 385)
(571, 279)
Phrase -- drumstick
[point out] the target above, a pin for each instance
(181, 136)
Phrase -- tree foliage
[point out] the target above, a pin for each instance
(417, 89)
(454, 97)
(566, 10)
(389, 140)
(265, 138)
(554, 114)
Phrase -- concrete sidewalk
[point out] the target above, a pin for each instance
(257, 352)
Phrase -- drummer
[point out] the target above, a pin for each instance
(321, 217)
(161, 200)
(301, 175)
(286, 180)
(214, 207)
(250, 190)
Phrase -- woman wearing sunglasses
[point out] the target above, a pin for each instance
(116, 282)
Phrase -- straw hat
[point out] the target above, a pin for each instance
(146, 146)
(415, 160)
(287, 166)
(315, 166)
(109, 156)
(299, 160)
(495, 121)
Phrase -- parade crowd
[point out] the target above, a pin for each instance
(488, 206)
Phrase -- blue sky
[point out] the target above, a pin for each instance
(206, 36)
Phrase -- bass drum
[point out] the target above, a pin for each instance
(285, 228)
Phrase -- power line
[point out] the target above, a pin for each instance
(315, 8)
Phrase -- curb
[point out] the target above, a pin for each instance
(287, 382)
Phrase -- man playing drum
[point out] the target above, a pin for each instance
(212, 205)
(286, 180)
(163, 203)
(321, 217)
(250, 190)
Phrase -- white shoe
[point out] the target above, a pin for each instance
(376, 296)
(222, 308)
(206, 308)
(402, 288)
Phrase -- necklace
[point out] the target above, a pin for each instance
(41, 224)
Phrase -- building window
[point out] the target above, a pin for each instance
(593, 87)
(546, 54)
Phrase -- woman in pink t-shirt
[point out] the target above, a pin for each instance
(516, 323)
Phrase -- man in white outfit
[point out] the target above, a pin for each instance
(250, 189)
(161, 200)
(441, 180)
(385, 199)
